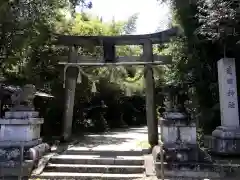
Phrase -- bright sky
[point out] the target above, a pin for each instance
(151, 16)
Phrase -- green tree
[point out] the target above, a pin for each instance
(195, 57)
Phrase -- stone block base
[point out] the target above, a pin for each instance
(203, 171)
(183, 162)
(20, 129)
(185, 173)
(15, 171)
(226, 141)
(21, 114)
(12, 153)
(175, 129)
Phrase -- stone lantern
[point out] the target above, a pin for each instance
(20, 142)
(179, 139)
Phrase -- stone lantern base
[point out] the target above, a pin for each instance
(182, 156)
(20, 143)
(226, 140)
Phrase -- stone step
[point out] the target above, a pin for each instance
(196, 165)
(190, 174)
(87, 176)
(86, 168)
(107, 153)
(97, 160)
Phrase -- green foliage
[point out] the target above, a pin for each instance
(130, 26)
(28, 55)
(195, 58)
(218, 18)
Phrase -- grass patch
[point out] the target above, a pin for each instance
(144, 143)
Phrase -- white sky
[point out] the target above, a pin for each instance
(152, 15)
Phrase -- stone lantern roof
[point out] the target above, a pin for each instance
(8, 90)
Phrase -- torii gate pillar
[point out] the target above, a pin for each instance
(152, 122)
(71, 80)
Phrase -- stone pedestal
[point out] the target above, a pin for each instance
(226, 138)
(19, 134)
(20, 129)
(175, 126)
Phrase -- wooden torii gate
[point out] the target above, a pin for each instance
(108, 43)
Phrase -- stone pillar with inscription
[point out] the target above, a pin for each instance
(226, 138)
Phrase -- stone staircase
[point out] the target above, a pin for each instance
(95, 164)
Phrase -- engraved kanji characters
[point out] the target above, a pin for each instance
(230, 81)
(229, 70)
(231, 105)
(231, 92)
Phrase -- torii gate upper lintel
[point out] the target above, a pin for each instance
(108, 43)
(155, 38)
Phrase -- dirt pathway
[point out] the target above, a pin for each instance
(122, 139)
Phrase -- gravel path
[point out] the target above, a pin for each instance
(123, 139)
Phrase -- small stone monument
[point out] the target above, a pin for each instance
(20, 134)
(226, 138)
(182, 155)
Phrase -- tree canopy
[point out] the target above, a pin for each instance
(28, 55)
(211, 32)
